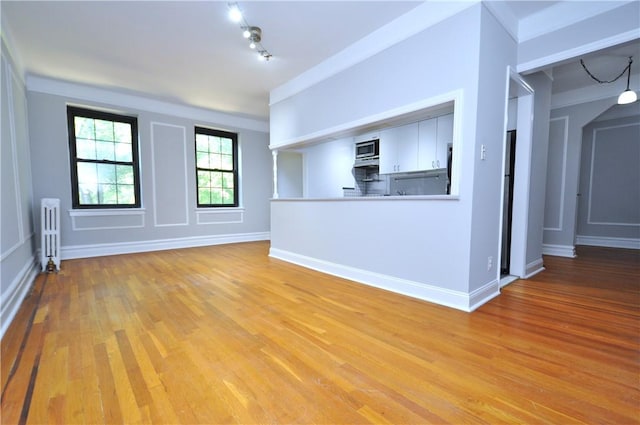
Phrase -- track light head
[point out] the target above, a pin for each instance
(235, 14)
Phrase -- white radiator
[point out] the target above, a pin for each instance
(50, 214)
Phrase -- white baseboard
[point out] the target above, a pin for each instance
(508, 279)
(559, 250)
(629, 243)
(534, 267)
(17, 291)
(447, 297)
(484, 294)
(99, 250)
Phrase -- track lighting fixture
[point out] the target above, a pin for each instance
(627, 96)
(251, 33)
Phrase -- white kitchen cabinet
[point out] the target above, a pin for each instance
(427, 136)
(434, 136)
(399, 149)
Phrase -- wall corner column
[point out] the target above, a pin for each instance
(274, 153)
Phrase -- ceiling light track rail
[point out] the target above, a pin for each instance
(250, 32)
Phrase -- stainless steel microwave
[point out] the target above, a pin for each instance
(368, 149)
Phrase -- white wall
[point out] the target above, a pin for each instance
(428, 64)
(169, 217)
(497, 52)
(415, 244)
(18, 262)
(392, 244)
(290, 184)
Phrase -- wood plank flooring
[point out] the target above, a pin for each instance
(225, 334)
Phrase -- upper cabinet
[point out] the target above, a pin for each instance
(416, 147)
(435, 135)
(399, 149)
(427, 142)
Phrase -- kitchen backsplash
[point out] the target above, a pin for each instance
(368, 182)
(421, 183)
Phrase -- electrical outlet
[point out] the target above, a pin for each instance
(489, 263)
(483, 152)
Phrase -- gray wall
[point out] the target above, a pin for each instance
(169, 217)
(565, 138)
(609, 203)
(18, 263)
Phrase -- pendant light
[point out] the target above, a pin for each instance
(627, 96)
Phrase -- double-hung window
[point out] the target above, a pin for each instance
(104, 159)
(216, 168)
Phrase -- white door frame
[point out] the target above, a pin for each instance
(521, 183)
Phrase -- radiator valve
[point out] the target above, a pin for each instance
(51, 266)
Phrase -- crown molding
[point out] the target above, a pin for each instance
(540, 63)
(111, 97)
(561, 15)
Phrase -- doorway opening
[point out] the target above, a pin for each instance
(507, 205)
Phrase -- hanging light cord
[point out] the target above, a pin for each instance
(607, 82)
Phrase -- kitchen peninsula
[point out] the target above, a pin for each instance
(386, 235)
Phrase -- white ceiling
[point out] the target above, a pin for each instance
(190, 53)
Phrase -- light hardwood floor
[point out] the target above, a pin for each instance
(225, 334)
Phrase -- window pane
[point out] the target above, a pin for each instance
(106, 173)
(216, 196)
(107, 194)
(214, 161)
(84, 127)
(104, 130)
(124, 174)
(227, 180)
(122, 132)
(226, 162)
(105, 150)
(88, 194)
(85, 149)
(226, 146)
(214, 144)
(216, 179)
(227, 196)
(126, 194)
(123, 152)
(87, 173)
(204, 179)
(204, 196)
(202, 143)
(202, 160)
